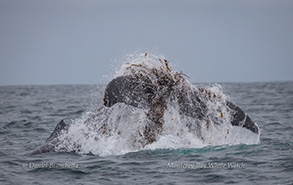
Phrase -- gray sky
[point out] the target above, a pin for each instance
(76, 42)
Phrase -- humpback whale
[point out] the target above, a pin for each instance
(141, 90)
(152, 88)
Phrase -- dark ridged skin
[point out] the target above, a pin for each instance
(239, 117)
(52, 140)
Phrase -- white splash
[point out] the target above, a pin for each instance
(117, 130)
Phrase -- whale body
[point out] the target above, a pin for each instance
(144, 93)
(153, 89)
(131, 91)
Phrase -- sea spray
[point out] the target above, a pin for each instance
(119, 129)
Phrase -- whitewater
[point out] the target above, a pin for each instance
(117, 130)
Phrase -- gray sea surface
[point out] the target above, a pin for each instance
(28, 115)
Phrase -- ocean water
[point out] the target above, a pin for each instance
(29, 114)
